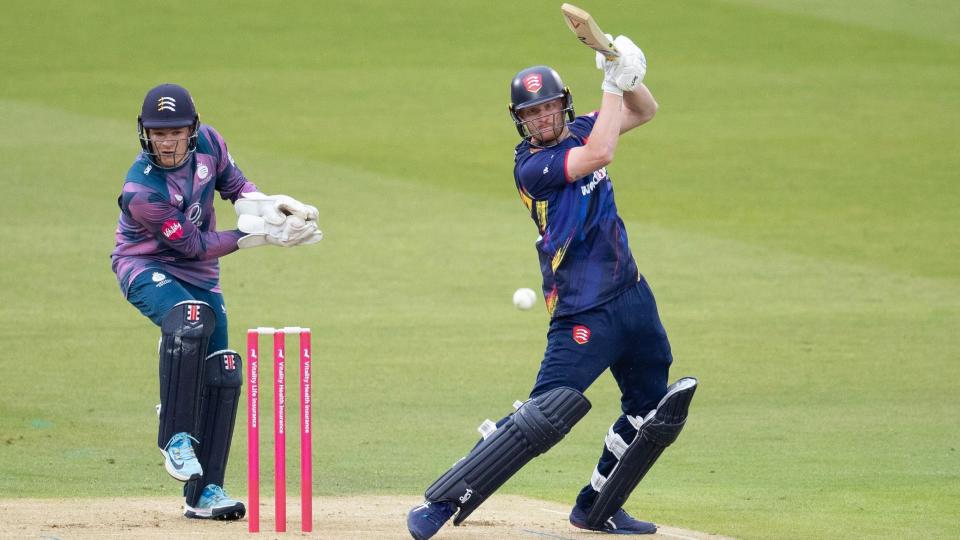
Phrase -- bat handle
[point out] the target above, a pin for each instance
(612, 53)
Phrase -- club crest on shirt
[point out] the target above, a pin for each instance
(581, 334)
(202, 172)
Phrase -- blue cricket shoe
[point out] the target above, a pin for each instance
(180, 459)
(214, 503)
(425, 520)
(619, 523)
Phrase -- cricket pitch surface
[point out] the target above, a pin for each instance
(368, 517)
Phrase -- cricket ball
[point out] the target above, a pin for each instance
(524, 298)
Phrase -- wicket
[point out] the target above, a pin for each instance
(279, 427)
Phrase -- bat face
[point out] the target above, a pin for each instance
(587, 31)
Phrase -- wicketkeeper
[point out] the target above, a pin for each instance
(603, 314)
(166, 260)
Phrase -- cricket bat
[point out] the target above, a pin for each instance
(587, 31)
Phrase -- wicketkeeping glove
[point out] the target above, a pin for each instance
(274, 208)
(294, 231)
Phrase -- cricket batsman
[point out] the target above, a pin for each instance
(166, 261)
(602, 311)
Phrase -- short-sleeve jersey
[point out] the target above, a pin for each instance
(167, 222)
(584, 255)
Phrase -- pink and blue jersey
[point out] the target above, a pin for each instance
(167, 220)
(584, 255)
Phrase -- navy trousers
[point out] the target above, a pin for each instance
(624, 335)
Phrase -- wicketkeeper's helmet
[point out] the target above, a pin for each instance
(533, 86)
(167, 106)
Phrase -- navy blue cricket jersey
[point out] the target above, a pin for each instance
(584, 255)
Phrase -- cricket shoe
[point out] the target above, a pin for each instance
(619, 523)
(214, 503)
(181, 461)
(425, 520)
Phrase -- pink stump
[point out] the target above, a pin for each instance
(306, 435)
(279, 430)
(253, 432)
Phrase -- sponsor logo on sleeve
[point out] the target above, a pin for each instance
(172, 229)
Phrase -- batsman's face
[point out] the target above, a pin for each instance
(170, 144)
(544, 121)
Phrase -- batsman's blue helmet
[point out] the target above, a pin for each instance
(167, 106)
(536, 85)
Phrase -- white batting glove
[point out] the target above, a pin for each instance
(274, 208)
(610, 70)
(633, 64)
(294, 231)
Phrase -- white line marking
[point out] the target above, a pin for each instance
(545, 535)
(675, 535)
(554, 511)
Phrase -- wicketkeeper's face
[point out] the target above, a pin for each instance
(544, 122)
(170, 144)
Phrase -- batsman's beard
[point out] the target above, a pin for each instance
(547, 134)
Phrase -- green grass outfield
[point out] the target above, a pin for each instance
(794, 206)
